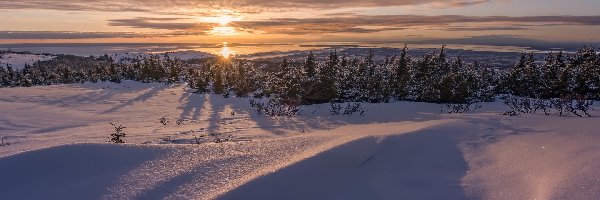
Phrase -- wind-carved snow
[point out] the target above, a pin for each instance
(398, 150)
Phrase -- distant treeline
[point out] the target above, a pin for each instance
(432, 77)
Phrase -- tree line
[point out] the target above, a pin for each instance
(433, 77)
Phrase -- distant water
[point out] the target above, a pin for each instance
(239, 49)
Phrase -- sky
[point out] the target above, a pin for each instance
(269, 21)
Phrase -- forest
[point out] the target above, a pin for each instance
(528, 86)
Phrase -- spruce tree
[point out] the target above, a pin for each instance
(310, 66)
(401, 75)
(3, 74)
(218, 85)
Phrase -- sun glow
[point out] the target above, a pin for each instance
(225, 51)
(223, 17)
(222, 30)
(224, 20)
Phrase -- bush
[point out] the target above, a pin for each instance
(163, 120)
(335, 108)
(118, 135)
(522, 104)
(560, 106)
(460, 108)
(276, 107)
(349, 110)
(564, 107)
(3, 143)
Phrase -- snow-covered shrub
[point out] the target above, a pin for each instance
(118, 135)
(460, 108)
(522, 104)
(275, 107)
(335, 108)
(353, 108)
(576, 107)
(350, 109)
(196, 140)
(4, 143)
(560, 106)
(222, 139)
(163, 120)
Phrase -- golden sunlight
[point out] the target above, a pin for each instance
(222, 30)
(223, 17)
(225, 52)
(224, 20)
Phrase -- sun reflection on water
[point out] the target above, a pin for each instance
(225, 51)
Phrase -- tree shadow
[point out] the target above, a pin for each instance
(214, 110)
(141, 98)
(191, 105)
(317, 117)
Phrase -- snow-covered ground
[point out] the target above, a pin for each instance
(18, 60)
(182, 55)
(404, 150)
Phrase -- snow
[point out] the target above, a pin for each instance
(556, 158)
(182, 55)
(400, 150)
(392, 167)
(18, 60)
(82, 171)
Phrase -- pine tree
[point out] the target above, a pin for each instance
(310, 66)
(10, 76)
(327, 77)
(347, 79)
(114, 73)
(243, 85)
(3, 74)
(584, 66)
(552, 72)
(174, 69)
(25, 77)
(401, 75)
(521, 80)
(218, 85)
(423, 79)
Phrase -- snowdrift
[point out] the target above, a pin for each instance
(80, 171)
(401, 150)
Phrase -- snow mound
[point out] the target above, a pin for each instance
(401, 150)
(425, 164)
(81, 171)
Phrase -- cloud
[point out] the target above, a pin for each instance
(170, 27)
(364, 23)
(378, 23)
(506, 40)
(242, 5)
(64, 35)
(161, 23)
(86, 35)
(484, 28)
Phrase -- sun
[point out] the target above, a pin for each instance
(225, 51)
(223, 20)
